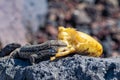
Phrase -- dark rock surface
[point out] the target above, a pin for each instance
(70, 68)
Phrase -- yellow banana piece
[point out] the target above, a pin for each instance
(77, 42)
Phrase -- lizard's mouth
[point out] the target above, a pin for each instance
(65, 45)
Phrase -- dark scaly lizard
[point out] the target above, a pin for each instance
(33, 52)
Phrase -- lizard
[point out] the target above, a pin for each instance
(33, 52)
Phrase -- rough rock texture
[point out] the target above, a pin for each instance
(69, 68)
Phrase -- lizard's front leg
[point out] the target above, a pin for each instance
(32, 58)
(41, 54)
(15, 53)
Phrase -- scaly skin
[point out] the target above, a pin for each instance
(38, 51)
(77, 42)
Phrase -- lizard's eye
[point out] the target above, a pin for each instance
(51, 50)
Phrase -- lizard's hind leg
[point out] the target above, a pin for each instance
(14, 54)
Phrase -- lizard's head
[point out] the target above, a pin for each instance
(58, 43)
